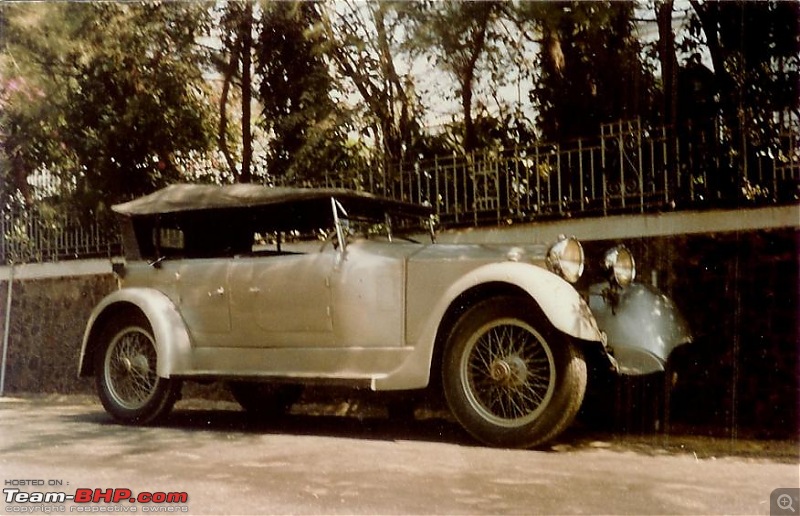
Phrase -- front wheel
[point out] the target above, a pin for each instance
(509, 378)
(125, 372)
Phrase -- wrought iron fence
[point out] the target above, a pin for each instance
(627, 169)
(34, 235)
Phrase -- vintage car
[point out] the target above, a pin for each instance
(269, 289)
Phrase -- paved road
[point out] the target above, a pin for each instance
(342, 465)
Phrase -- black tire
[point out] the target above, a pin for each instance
(265, 399)
(509, 378)
(125, 372)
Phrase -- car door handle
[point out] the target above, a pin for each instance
(219, 292)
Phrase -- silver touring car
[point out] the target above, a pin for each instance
(272, 288)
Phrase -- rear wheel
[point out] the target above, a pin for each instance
(125, 372)
(265, 399)
(509, 378)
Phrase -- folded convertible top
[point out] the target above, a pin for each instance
(197, 198)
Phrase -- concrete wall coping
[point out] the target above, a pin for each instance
(57, 269)
(632, 226)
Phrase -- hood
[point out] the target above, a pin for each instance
(530, 253)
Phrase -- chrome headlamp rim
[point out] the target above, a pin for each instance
(620, 266)
(566, 258)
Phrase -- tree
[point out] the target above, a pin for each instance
(29, 121)
(590, 67)
(667, 56)
(463, 35)
(113, 95)
(364, 42)
(234, 60)
(755, 54)
(304, 125)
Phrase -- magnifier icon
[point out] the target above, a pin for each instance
(785, 502)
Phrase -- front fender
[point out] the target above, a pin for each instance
(173, 343)
(642, 324)
(559, 301)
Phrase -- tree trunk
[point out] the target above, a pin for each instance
(669, 77)
(222, 130)
(478, 46)
(247, 93)
(669, 62)
(470, 140)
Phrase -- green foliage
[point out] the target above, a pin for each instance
(755, 53)
(742, 105)
(307, 134)
(113, 94)
(112, 100)
(30, 126)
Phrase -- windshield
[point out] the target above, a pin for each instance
(392, 228)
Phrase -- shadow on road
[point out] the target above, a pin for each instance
(349, 427)
(226, 418)
(76, 418)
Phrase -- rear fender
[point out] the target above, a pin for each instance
(173, 343)
(642, 324)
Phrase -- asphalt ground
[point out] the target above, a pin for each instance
(337, 460)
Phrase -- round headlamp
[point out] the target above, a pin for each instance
(620, 265)
(565, 258)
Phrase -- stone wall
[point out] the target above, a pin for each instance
(739, 292)
(48, 317)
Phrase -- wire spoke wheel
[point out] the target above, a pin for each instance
(508, 372)
(130, 368)
(126, 371)
(509, 377)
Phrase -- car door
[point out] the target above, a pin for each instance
(202, 286)
(283, 300)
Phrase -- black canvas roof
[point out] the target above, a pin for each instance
(185, 198)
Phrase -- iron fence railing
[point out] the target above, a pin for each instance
(627, 169)
(33, 235)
